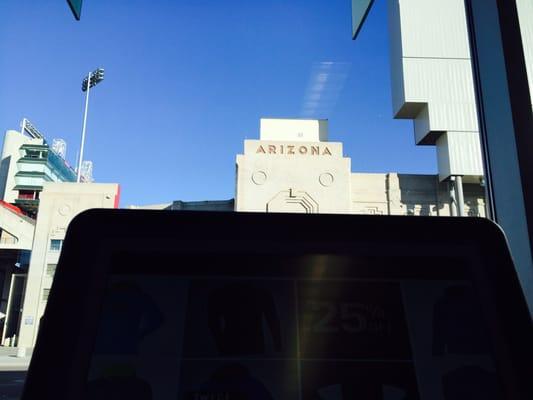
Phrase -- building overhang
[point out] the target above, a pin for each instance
(28, 187)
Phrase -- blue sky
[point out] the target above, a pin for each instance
(186, 81)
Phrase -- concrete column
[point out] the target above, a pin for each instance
(460, 196)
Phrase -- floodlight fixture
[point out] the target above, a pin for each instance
(92, 79)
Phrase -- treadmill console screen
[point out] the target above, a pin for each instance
(308, 326)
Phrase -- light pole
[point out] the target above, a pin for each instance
(92, 79)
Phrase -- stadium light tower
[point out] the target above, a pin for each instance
(92, 79)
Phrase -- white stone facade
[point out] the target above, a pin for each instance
(316, 177)
(292, 176)
(59, 204)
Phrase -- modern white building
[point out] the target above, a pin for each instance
(59, 204)
(27, 161)
(38, 198)
(432, 81)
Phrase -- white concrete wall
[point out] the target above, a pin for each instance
(163, 206)
(59, 204)
(432, 80)
(405, 194)
(293, 176)
(369, 193)
(525, 16)
(458, 153)
(296, 130)
(315, 177)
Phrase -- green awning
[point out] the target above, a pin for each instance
(27, 187)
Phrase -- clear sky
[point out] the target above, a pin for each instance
(186, 81)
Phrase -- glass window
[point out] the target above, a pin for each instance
(55, 244)
(46, 293)
(26, 194)
(314, 122)
(51, 269)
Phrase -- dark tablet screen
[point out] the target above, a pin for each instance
(328, 326)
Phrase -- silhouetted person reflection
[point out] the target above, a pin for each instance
(231, 382)
(236, 313)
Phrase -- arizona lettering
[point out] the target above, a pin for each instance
(293, 149)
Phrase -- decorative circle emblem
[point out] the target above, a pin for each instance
(326, 179)
(259, 177)
(64, 210)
